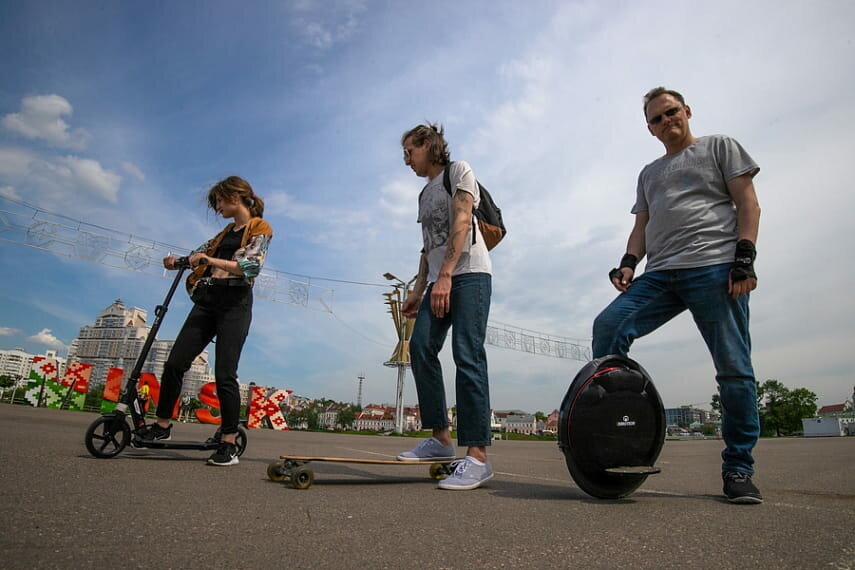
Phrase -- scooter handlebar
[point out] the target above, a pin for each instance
(181, 263)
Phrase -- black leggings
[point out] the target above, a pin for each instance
(219, 311)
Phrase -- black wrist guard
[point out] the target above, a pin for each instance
(628, 260)
(743, 262)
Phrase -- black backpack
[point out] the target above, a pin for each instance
(487, 214)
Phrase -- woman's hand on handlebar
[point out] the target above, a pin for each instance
(198, 259)
(173, 262)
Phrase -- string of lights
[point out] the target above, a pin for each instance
(31, 226)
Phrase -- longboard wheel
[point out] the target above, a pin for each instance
(439, 471)
(302, 478)
(275, 472)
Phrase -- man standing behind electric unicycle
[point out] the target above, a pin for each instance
(696, 219)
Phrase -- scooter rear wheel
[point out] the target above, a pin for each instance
(107, 436)
(240, 441)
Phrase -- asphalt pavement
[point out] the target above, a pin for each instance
(62, 508)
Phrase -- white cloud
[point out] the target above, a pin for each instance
(133, 170)
(40, 117)
(71, 174)
(324, 25)
(332, 227)
(14, 162)
(398, 197)
(8, 331)
(56, 178)
(47, 339)
(9, 192)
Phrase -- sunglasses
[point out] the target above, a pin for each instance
(669, 113)
(406, 154)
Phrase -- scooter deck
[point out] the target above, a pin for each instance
(293, 469)
(176, 444)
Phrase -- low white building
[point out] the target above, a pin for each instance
(521, 424)
(825, 427)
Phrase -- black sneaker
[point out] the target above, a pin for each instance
(226, 454)
(739, 489)
(216, 438)
(153, 432)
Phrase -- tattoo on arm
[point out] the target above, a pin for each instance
(450, 252)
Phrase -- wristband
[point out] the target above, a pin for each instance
(743, 261)
(628, 260)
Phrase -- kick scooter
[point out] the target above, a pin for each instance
(107, 436)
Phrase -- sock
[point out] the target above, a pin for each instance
(473, 460)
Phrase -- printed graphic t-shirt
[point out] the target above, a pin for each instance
(435, 218)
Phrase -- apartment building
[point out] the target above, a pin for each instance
(16, 362)
(116, 339)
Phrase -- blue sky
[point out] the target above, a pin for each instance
(123, 114)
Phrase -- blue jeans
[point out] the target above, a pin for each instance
(657, 297)
(470, 307)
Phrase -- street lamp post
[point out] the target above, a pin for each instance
(400, 358)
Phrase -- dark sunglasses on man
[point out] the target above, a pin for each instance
(669, 113)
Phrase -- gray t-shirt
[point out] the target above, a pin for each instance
(692, 216)
(435, 218)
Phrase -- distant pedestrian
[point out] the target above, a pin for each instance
(696, 219)
(224, 269)
(452, 290)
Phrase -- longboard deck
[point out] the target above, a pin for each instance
(293, 468)
(308, 458)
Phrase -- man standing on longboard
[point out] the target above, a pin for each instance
(455, 279)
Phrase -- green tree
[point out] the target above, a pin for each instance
(346, 417)
(308, 415)
(784, 408)
(312, 417)
(801, 404)
(93, 397)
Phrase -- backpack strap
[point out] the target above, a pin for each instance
(446, 181)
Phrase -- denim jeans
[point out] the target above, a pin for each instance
(657, 297)
(470, 307)
(224, 312)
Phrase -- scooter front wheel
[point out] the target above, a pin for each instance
(107, 436)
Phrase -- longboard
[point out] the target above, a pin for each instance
(293, 469)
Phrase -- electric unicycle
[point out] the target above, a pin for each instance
(611, 427)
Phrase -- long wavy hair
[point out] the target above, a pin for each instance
(236, 186)
(432, 134)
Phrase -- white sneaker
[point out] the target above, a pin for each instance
(467, 475)
(427, 451)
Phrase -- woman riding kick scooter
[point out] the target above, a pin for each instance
(220, 286)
